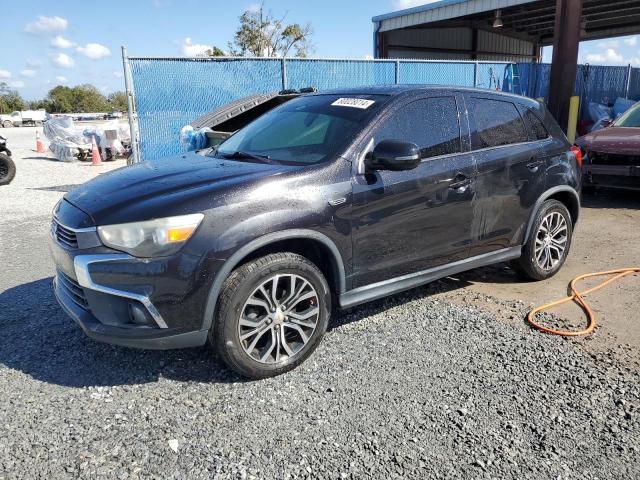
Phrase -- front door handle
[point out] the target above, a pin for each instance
(460, 182)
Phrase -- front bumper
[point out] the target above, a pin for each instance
(116, 298)
(136, 337)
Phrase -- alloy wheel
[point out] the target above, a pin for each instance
(279, 318)
(551, 241)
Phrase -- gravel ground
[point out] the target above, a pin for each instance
(408, 387)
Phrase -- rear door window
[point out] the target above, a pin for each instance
(495, 123)
(430, 123)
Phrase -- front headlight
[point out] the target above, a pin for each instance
(152, 238)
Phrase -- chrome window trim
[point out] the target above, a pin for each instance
(485, 149)
(81, 264)
(74, 230)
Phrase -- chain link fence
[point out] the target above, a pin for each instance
(594, 83)
(171, 92)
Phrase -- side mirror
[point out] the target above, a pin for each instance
(393, 155)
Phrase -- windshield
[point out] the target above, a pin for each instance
(630, 118)
(304, 131)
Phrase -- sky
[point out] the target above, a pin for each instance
(47, 43)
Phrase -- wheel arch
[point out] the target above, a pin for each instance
(313, 245)
(566, 195)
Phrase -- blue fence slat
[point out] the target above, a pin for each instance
(328, 74)
(437, 73)
(172, 93)
(634, 84)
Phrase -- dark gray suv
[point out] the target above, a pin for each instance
(330, 199)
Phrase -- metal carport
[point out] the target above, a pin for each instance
(511, 30)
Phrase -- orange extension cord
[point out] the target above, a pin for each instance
(577, 297)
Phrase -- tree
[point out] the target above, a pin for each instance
(118, 101)
(82, 98)
(10, 100)
(215, 52)
(87, 98)
(61, 99)
(260, 34)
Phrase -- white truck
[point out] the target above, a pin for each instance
(23, 118)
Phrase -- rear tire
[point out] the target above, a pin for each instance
(548, 243)
(264, 328)
(7, 170)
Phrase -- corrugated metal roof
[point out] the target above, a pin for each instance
(442, 10)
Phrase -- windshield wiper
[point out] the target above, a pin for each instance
(240, 155)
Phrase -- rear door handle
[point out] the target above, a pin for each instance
(535, 166)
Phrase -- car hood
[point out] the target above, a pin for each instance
(164, 187)
(616, 140)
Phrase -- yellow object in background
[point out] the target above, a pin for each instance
(574, 102)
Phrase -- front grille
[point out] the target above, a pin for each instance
(64, 235)
(71, 288)
(599, 158)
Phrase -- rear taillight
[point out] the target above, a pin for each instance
(578, 154)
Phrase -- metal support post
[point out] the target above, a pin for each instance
(283, 71)
(564, 65)
(628, 84)
(135, 145)
(476, 72)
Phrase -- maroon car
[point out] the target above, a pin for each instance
(611, 156)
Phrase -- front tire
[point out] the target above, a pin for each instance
(272, 314)
(547, 245)
(7, 170)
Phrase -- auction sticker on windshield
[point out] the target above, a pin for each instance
(353, 102)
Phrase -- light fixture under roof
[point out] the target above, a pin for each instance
(497, 22)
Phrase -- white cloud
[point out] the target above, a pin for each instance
(61, 79)
(402, 4)
(117, 74)
(190, 49)
(94, 51)
(632, 41)
(46, 25)
(63, 60)
(253, 8)
(28, 73)
(5, 73)
(609, 57)
(609, 44)
(34, 63)
(60, 42)
(16, 84)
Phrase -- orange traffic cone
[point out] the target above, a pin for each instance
(95, 153)
(39, 145)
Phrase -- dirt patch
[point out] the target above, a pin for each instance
(607, 237)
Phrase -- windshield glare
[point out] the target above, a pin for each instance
(306, 130)
(630, 118)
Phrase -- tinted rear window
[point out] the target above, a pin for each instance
(538, 130)
(430, 123)
(497, 123)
